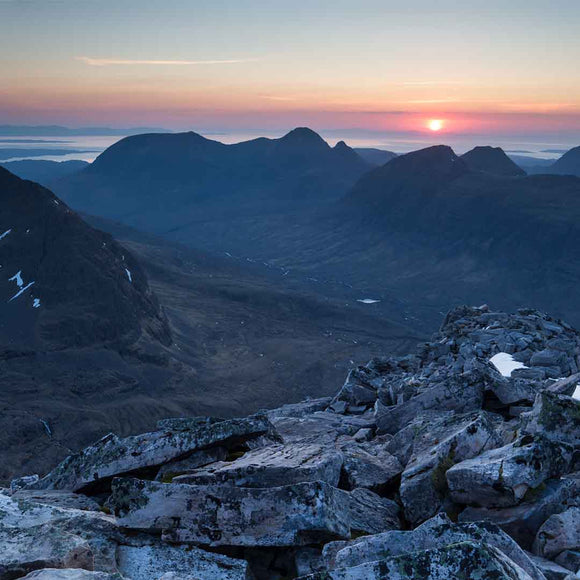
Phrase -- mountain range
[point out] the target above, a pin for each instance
(422, 232)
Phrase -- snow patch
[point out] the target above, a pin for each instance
(129, 275)
(36, 303)
(368, 300)
(576, 393)
(21, 291)
(20, 283)
(5, 234)
(506, 364)
(17, 278)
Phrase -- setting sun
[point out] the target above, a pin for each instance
(435, 124)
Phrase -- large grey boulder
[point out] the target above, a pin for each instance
(556, 417)
(320, 427)
(460, 391)
(152, 562)
(232, 516)
(112, 456)
(437, 447)
(523, 521)
(435, 533)
(272, 466)
(36, 535)
(369, 466)
(502, 477)
(372, 514)
(558, 533)
(462, 560)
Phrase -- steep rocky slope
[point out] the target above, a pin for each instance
(64, 283)
(459, 461)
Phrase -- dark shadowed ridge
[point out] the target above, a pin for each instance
(413, 176)
(375, 156)
(158, 182)
(568, 164)
(492, 160)
(64, 283)
(43, 172)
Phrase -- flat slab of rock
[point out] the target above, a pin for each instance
(463, 560)
(272, 466)
(69, 574)
(57, 498)
(435, 533)
(151, 562)
(502, 477)
(233, 516)
(113, 456)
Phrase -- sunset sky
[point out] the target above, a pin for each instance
(481, 67)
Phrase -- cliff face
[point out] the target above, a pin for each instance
(457, 461)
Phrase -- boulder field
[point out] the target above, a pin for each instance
(459, 461)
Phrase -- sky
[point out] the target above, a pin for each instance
(491, 68)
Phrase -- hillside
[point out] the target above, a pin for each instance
(116, 337)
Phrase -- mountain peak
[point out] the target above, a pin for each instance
(304, 137)
(491, 160)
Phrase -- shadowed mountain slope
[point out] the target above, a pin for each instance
(568, 164)
(43, 172)
(159, 182)
(491, 160)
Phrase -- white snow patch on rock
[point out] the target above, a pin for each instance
(129, 275)
(576, 394)
(17, 278)
(368, 300)
(36, 303)
(5, 234)
(21, 291)
(506, 364)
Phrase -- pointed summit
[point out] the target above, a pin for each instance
(491, 160)
(305, 138)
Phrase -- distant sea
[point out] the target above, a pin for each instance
(87, 148)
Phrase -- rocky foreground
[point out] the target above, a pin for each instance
(460, 461)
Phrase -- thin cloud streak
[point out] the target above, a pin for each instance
(129, 62)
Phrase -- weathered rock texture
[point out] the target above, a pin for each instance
(460, 461)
